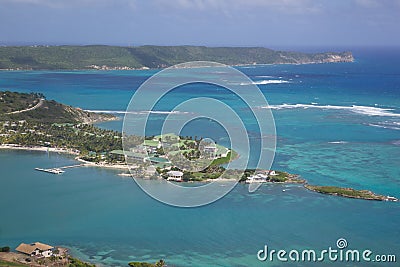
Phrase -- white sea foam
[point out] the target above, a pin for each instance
(384, 126)
(137, 112)
(263, 82)
(397, 142)
(338, 142)
(364, 110)
(106, 111)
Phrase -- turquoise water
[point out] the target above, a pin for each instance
(107, 219)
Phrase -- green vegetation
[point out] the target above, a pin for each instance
(160, 263)
(74, 262)
(11, 101)
(346, 192)
(5, 249)
(46, 111)
(232, 155)
(83, 137)
(280, 177)
(11, 264)
(116, 57)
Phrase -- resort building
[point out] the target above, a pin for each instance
(210, 149)
(257, 178)
(36, 249)
(175, 176)
(210, 152)
(120, 154)
(261, 176)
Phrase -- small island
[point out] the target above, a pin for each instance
(349, 192)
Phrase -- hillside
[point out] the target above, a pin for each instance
(34, 107)
(117, 57)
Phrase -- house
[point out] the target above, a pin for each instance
(257, 178)
(175, 176)
(150, 170)
(210, 151)
(133, 156)
(261, 176)
(36, 249)
(268, 172)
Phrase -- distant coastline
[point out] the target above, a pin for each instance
(102, 57)
(125, 68)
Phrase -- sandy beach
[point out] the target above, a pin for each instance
(103, 165)
(39, 148)
(63, 150)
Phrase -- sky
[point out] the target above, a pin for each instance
(267, 23)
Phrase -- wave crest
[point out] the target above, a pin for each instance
(263, 82)
(364, 110)
(136, 112)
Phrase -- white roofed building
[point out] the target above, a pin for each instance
(175, 176)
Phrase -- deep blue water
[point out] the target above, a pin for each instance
(321, 136)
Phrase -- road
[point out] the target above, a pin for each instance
(38, 105)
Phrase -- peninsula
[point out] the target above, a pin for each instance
(102, 57)
(29, 121)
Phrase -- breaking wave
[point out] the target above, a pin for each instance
(364, 110)
(338, 142)
(136, 112)
(263, 82)
(384, 126)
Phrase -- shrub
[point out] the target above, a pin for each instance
(5, 249)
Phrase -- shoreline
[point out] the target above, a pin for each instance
(155, 69)
(39, 148)
(102, 165)
(292, 179)
(62, 150)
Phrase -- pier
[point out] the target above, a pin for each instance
(60, 170)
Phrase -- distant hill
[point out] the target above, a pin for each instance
(117, 57)
(34, 107)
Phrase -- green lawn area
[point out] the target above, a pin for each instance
(151, 143)
(221, 149)
(231, 156)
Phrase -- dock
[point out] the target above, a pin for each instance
(53, 171)
(59, 170)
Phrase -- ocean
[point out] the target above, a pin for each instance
(337, 124)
